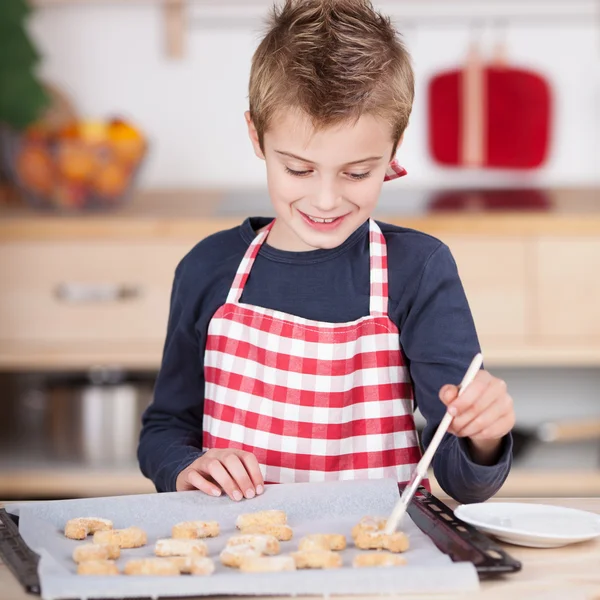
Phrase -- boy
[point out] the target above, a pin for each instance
(295, 345)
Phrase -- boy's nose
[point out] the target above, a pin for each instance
(327, 198)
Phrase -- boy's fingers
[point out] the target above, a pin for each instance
(476, 409)
(448, 393)
(238, 471)
(491, 415)
(253, 469)
(219, 473)
(196, 480)
(471, 394)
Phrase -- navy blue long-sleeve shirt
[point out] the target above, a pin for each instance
(426, 302)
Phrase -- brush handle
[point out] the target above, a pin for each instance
(423, 465)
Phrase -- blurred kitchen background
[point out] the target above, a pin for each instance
(141, 150)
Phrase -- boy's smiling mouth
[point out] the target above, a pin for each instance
(321, 223)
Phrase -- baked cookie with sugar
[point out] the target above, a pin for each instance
(97, 567)
(151, 566)
(317, 559)
(263, 517)
(369, 534)
(283, 533)
(268, 564)
(87, 552)
(194, 565)
(80, 527)
(323, 541)
(195, 529)
(180, 547)
(131, 537)
(240, 547)
(378, 559)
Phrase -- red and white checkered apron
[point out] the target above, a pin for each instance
(313, 401)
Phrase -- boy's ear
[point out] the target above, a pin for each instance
(252, 133)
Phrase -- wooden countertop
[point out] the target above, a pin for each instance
(569, 572)
(196, 214)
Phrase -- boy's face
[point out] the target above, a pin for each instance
(323, 184)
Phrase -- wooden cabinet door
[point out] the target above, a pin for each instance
(568, 285)
(496, 276)
(86, 292)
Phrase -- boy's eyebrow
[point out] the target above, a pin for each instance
(353, 162)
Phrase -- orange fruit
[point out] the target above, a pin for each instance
(126, 142)
(35, 169)
(110, 180)
(75, 161)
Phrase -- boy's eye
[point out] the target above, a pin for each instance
(298, 173)
(358, 176)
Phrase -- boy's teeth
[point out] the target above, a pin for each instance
(316, 220)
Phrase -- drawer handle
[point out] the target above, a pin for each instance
(83, 293)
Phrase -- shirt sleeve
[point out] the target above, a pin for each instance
(439, 340)
(171, 436)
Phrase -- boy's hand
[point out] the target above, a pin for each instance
(234, 471)
(484, 413)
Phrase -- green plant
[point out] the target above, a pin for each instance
(22, 97)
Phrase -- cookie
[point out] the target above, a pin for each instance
(194, 565)
(265, 544)
(81, 527)
(132, 537)
(323, 541)
(368, 524)
(375, 540)
(264, 517)
(240, 547)
(369, 534)
(180, 547)
(267, 564)
(283, 533)
(317, 559)
(86, 552)
(151, 566)
(378, 559)
(195, 529)
(97, 567)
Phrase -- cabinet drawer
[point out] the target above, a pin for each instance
(494, 273)
(86, 292)
(568, 288)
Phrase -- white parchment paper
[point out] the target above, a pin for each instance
(328, 507)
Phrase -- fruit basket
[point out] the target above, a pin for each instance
(85, 165)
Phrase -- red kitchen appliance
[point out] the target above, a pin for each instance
(489, 115)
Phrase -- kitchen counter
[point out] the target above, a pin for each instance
(524, 257)
(172, 214)
(569, 572)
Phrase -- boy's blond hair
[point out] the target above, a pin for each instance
(334, 60)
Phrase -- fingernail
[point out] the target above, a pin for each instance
(250, 494)
(237, 495)
(216, 492)
(452, 411)
(259, 489)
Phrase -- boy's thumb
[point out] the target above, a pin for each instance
(448, 393)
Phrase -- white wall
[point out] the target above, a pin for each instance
(111, 59)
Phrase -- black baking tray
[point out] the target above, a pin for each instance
(457, 539)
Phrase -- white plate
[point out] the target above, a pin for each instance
(535, 525)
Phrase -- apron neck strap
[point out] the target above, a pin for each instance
(378, 303)
(237, 287)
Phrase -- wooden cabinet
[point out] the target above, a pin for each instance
(495, 275)
(91, 290)
(568, 290)
(91, 300)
